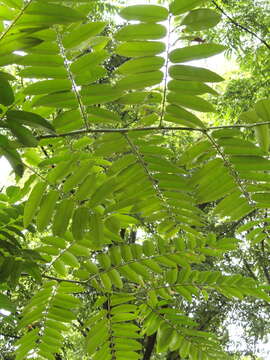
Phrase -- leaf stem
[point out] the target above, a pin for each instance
(14, 22)
(82, 108)
(166, 73)
(151, 129)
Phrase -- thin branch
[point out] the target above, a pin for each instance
(264, 262)
(64, 280)
(248, 267)
(151, 128)
(71, 78)
(58, 279)
(166, 74)
(236, 178)
(14, 22)
(10, 336)
(235, 23)
(231, 169)
(153, 181)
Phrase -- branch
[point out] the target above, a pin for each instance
(235, 23)
(10, 336)
(64, 280)
(151, 128)
(58, 279)
(166, 73)
(14, 22)
(263, 263)
(248, 267)
(71, 78)
(149, 347)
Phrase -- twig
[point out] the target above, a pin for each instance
(64, 280)
(71, 78)
(153, 181)
(152, 128)
(235, 23)
(14, 22)
(166, 74)
(58, 279)
(248, 267)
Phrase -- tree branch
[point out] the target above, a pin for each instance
(263, 263)
(149, 347)
(235, 23)
(59, 279)
(249, 269)
(64, 280)
(151, 128)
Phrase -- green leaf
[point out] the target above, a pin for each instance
(145, 13)
(191, 102)
(41, 60)
(69, 259)
(97, 229)
(41, 72)
(6, 93)
(140, 48)
(195, 52)
(47, 87)
(116, 279)
(99, 94)
(83, 33)
(140, 97)
(180, 116)
(92, 59)
(28, 118)
(33, 202)
(261, 132)
(164, 336)
(68, 121)
(178, 7)
(90, 75)
(16, 4)
(91, 267)
(99, 114)
(141, 32)
(46, 209)
(201, 19)
(190, 87)
(86, 188)
(62, 217)
(106, 282)
(80, 222)
(6, 304)
(6, 76)
(77, 177)
(50, 14)
(23, 134)
(142, 65)
(140, 81)
(66, 99)
(12, 156)
(262, 109)
(192, 73)
(129, 274)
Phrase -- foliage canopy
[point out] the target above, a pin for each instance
(107, 242)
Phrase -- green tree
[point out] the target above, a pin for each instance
(125, 233)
